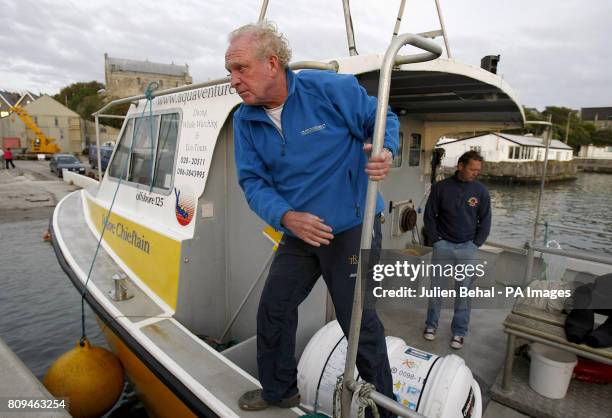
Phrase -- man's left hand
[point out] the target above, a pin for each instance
(377, 167)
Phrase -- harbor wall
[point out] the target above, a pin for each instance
(594, 165)
(524, 172)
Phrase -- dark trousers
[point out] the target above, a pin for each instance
(293, 274)
(9, 162)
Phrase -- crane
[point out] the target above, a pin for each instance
(42, 144)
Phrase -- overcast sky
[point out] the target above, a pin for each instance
(552, 52)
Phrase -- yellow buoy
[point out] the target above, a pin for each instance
(90, 377)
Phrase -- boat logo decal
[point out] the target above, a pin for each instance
(409, 363)
(473, 201)
(184, 207)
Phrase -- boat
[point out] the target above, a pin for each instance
(178, 254)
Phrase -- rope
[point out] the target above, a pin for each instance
(316, 402)
(154, 85)
(149, 96)
(337, 399)
(363, 398)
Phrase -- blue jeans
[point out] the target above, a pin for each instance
(445, 253)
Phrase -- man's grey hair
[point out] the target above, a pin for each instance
(268, 41)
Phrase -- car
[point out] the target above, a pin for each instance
(66, 161)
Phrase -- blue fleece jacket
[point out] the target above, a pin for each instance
(317, 163)
(458, 211)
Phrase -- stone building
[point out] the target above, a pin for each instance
(600, 116)
(126, 77)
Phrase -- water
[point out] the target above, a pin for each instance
(40, 309)
(584, 203)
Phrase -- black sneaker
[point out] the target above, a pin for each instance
(457, 342)
(429, 334)
(253, 401)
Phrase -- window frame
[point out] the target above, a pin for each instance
(399, 158)
(137, 185)
(412, 149)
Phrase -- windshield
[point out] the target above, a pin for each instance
(68, 159)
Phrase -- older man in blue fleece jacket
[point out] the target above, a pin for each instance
(300, 148)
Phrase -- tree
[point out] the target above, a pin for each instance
(602, 137)
(83, 98)
(73, 95)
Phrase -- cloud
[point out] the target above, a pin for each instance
(552, 53)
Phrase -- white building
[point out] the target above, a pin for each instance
(591, 151)
(496, 147)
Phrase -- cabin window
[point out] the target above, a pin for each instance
(143, 150)
(154, 140)
(166, 149)
(118, 167)
(414, 155)
(397, 160)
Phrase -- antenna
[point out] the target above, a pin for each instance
(349, 28)
(398, 21)
(443, 28)
(430, 34)
(262, 13)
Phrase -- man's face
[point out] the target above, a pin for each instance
(251, 77)
(469, 171)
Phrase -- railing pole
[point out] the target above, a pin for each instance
(531, 252)
(370, 205)
(99, 156)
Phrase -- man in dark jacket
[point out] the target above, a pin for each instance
(301, 161)
(458, 221)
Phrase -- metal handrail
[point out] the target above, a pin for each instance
(434, 51)
(571, 254)
(576, 229)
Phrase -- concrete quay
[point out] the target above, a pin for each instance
(18, 383)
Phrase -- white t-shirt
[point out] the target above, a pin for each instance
(275, 116)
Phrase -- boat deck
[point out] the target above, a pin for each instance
(203, 378)
(583, 399)
(200, 376)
